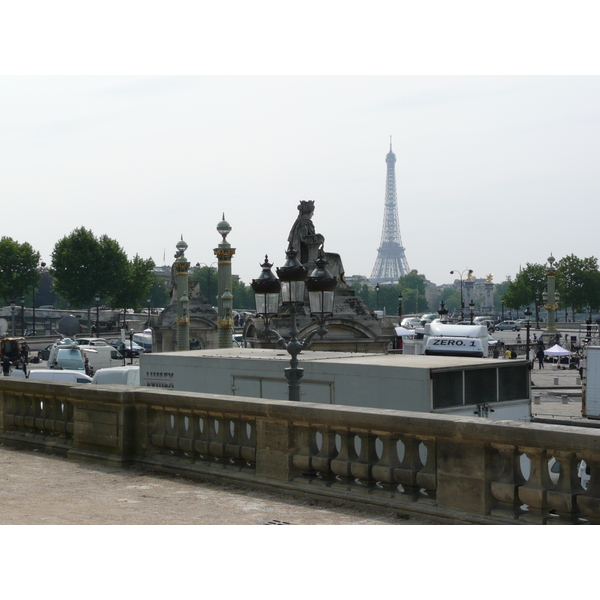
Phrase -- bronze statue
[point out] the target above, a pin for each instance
(307, 242)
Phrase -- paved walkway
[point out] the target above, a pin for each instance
(550, 385)
(41, 489)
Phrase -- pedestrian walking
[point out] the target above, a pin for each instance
(581, 367)
(540, 356)
(25, 352)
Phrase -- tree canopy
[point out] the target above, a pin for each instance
(18, 268)
(83, 266)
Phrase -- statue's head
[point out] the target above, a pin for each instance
(306, 207)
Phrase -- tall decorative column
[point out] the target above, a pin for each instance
(550, 297)
(469, 285)
(488, 286)
(224, 252)
(181, 283)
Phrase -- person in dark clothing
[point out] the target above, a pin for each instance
(540, 356)
(5, 367)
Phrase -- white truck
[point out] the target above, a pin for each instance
(590, 389)
(101, 357)
(441, 384)
(128, 375)
(442, 339)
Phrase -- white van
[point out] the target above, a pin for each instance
(64, 354)
(129, 375)
(59, 375)
(101, 357)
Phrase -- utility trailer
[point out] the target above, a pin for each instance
(441, 384)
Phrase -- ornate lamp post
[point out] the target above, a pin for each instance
(42, 266)
(149, 303)
(527, 326)
(399, 308)
(12, 312)
(97, 315)
(503, 308)
(22, 316)
(462, 304)
(292, 282)
(377, 288)
(472, 308)
(443, 312)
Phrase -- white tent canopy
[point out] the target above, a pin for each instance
(557, 350)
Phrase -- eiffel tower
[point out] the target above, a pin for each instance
(391, 262)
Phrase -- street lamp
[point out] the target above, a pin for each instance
(462, 304)
(22, 316)
(42, 266)
(443, 312)
(292, 282)
(12, 312)
(148, 302)
(527, 326)
(377, 288)
(399, 307)
(472, 308)
(502, 307)
(97, 314)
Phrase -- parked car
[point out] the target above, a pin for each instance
(429, 318)
(411, 322)
(44, 353)
(508, 325)
(128, 350)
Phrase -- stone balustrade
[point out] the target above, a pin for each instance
(454, 469)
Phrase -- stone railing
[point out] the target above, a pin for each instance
(453, 469)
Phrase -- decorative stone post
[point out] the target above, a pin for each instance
(469, 285)
(181, 283)
(489, 294)
(224, 252)
(550, 297)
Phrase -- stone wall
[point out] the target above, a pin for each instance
(454, 469)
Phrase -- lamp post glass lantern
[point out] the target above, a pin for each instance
(443, 312)
(472, 309)
(291, 284)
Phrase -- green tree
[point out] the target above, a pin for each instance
(243, 295)
(83, 266)
(412, 285)
(18, 269)
(135, 285)
(158, 293)
(573, 276)
(527, 288)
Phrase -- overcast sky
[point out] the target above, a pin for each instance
(492, 171)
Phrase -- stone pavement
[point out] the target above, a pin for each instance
(42, 489)
(551, 385)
